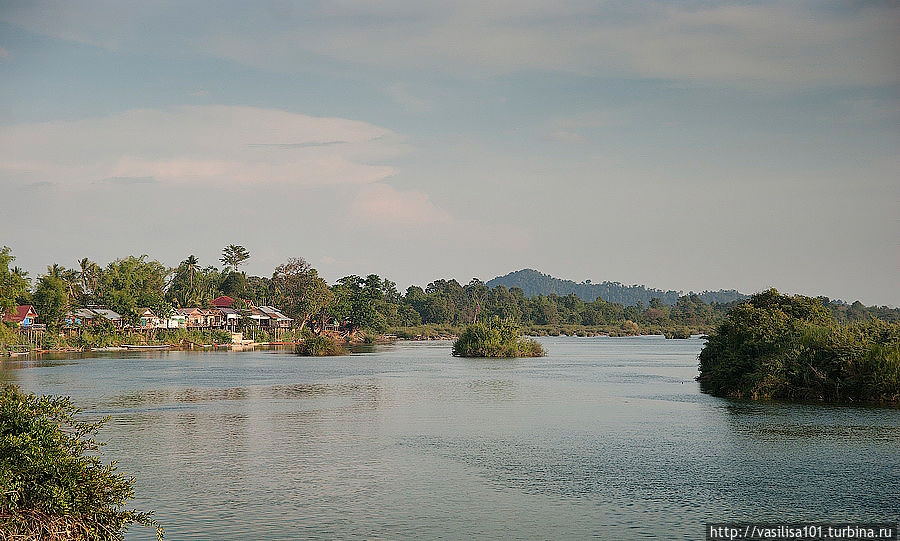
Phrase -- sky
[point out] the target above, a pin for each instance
(691, 145)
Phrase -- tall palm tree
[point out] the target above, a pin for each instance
(192, 265)
(69, 276)
(90, 275)
(234, 255)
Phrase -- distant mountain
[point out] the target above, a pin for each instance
(535, 283)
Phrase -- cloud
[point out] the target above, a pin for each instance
(791, 43)
(387, 205)
(222, 145)
(199, 93)
(786, 43)
(298, 145)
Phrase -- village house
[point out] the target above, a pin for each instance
(276, 318)
(260, 318)
(230, 317)
(222, 302)
(80, 317)
(147, 319)
(193, 317)
(213, 318)
(92, 315)
(109, 315)
(22, 315)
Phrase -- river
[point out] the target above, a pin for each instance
(608, 438)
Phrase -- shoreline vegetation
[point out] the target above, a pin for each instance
(496, 338)
(53, 484)
(779, 347)
(353, 309)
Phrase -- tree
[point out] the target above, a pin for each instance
(133, 282)
(235, 285)
(51, 479)
(789, 347)
(300, 292)
(70, 278)
(234, 255)
(191, 264)
(13, 285)
(477, 293)
(51, 300)
(193, 286)
(90, 275)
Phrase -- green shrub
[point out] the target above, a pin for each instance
(779, 347)
(52, 484)
(495, 338)
(320, 346)
(680, 333)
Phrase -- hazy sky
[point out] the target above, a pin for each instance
(682, 145)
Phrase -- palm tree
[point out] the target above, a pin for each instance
(90, 275)
(192, 265)
(233, 255)
(69, 276)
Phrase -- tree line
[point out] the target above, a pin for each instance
(370, 303)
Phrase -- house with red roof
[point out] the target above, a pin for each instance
(222, 302)
(22, 315)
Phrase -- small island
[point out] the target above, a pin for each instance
(498, 338)
(321, 346)
(783, 347)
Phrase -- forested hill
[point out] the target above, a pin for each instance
(535, 283)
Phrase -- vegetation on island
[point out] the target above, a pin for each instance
(321, 346)
(53, 485)
(495, 338)
(678, 333)
(783, 347)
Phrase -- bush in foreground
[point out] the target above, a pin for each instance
(778, 347)
(495, 338)
(52, 484)
(320, 346)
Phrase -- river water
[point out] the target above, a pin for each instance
(604, 438)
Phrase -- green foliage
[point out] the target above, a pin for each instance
(680, 333)
(234, 255)
(781, 347)
(51, 300)
(320, 346)
(13, 285)
(192, 286)
(495, 338)
(50, 475)
(300, 291)
(131, 283)
(235, 285)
